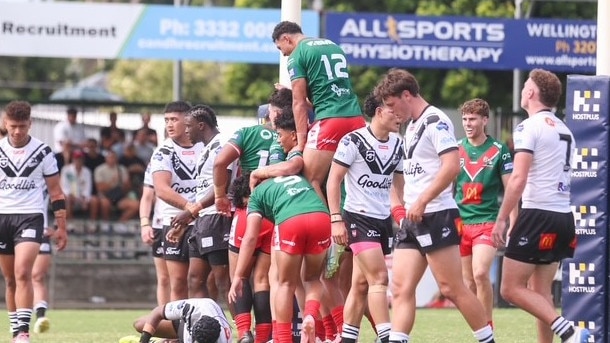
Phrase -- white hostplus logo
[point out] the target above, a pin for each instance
(586, 101)
(578, 271)
(584, 216)
(586, 158)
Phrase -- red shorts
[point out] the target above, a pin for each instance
(325, 134)
(474, 234)
(238, 229)
(304, 234)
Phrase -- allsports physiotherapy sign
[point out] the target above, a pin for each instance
(96, 30)
(585, 277)
(464, 42)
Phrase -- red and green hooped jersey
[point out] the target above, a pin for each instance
(480, 180)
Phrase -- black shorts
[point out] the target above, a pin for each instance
(176, 251)
(17, 228)
(157, 245)
(541, 237)
(45, 246)
(361, 228)
(210, 234)
(436, 230)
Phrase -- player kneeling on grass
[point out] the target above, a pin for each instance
(195, 320)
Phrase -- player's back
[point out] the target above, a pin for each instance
(253, 143)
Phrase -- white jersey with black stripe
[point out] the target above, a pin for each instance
(181, 162)
(190, 310)
(372, 164)
(205, 171)
(426, 138)
(22, 173)
(552, 145)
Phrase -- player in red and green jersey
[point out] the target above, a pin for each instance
(318, 72)
(485, 165)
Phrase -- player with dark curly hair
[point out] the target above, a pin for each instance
(195, 320)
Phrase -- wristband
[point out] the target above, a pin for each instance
(144, 221)
(336, 221)
(399, 213)
(59, 204)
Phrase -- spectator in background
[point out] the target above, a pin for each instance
(135, 167)
(144, 147)
(76, 182)
(114, 189)
(111, 135)
(93, 159)
(69, 132)
(151, 134)
(64, 156)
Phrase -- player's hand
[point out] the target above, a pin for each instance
(147, 234)
(236, 288)
(255, 179)
(174, 234)
(183, 219)
(223, 205)
(415, 213)
(339, 233)
(60, 237)
(498, 233)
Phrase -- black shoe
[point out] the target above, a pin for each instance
(246, 338)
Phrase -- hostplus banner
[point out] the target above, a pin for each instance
(585, 277)
(101, 30)
(464, 42)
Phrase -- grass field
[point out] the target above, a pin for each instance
(431, 326)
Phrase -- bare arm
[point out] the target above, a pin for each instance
(300, 106)
(292, 166)
(146, 205)
(512, 217)
(162, 181)
(333, 195)
(57, 197)
(226, 156)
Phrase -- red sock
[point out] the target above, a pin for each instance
(312, 307)
(329, 327)
(274, 330)
(263, 331)
(337, 314)
(284, 333)
(243, 322)
(320, 332)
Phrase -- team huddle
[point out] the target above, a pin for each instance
(258, 219)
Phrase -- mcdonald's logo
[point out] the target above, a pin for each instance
(472, 193)
(547, 241)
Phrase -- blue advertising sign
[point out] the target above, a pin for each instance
(211, 34)
(464, 42)
(585, 276)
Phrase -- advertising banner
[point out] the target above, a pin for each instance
(133, 31)
(394, 40)
(585, 277)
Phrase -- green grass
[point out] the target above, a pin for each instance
(439, 325)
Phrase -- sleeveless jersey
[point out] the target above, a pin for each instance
(189, 311)
(552, 145)
(284, 197)
(157, 219)
(252, 143)
(324, 65)
(372, 164)
(181, 162)
(22, 173)
(426, 139)
(480, 180)
(205, 172)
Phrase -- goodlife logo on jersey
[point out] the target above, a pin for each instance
(586, 105)
(586, 162)
(585, 219)
(581, 278)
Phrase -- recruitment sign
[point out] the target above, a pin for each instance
(464, 42)
(100, 30)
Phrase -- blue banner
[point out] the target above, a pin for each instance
(394, 40)
(209, 34)
(585, 277)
